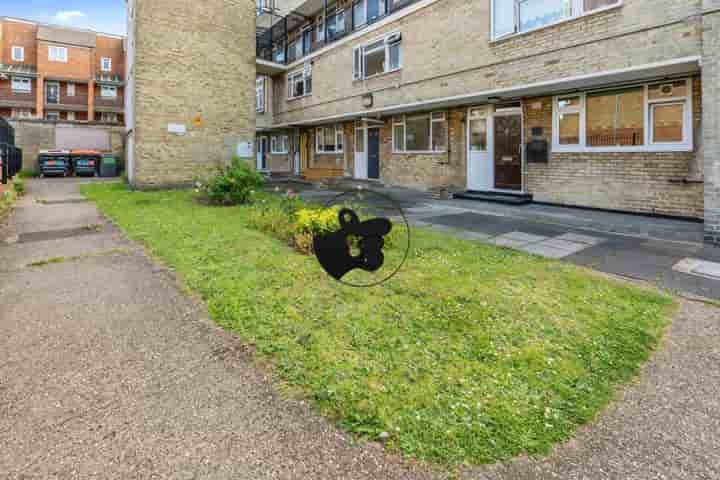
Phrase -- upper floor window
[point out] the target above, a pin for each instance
(57, 54)
(18, 54)
(108, 91)
(336, 25)
(22, 113)
(381, 56)
(70, 89)
(368, 11)
(427, 132)
(300, 83)
(517, 16)
(279, 53)
(106, 64)
(21, 84)
(329, 139)
(652, 117)
(260, 94)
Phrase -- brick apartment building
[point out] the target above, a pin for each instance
(60, 74)
(611, 104)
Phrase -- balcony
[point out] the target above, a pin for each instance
(110, 104)
(14, 98)
(75, 103)
(273, 36)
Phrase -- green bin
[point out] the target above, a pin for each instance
(108, 166)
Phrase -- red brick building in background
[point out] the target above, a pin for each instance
(59, 73)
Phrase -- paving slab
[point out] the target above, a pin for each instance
(579, 238)
(545, 250)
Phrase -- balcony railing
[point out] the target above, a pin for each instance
(11, 97)
(274, 45)
(66, 100)
(117, 102)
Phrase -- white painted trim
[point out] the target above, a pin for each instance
(473, 97)
(648, 146)
(265, 63)
(393, 17)
(576, 3)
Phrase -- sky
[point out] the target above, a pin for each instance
(107, 16)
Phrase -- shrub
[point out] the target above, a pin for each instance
(311, 222)
(233, 184)
(19, 185)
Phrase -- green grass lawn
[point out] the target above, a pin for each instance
(472, 354)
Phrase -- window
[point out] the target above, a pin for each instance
(336, 25)
(260, 94)
(320, 33)
(279, 53)
(70, 89)
(57, 54)
(655, 117)
(300, 83)
(306, 42)
(420, 133)
(71, 116)
(18, 54)
(22, 113)
(279, 144)
(106, 64)
(21, 84)
(107, 91)
(329, 139)
(517, 16)
(368, 11)
(108, 117)
(378, 57)
(54, 116)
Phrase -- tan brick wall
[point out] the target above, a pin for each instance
(638, 182)
(193, 61)
(711, 119)
(423, 170)
(459, 57)
(35, 135)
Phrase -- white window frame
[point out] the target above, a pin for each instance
(70, 91)
(365, 10)
(577, 10)
(279, 144)
(339, 140)
(401, 120)
(21, 85)
(106, 89)
(108, 117)
(70, 116)
(57, 54)
(260, 100)
(320, 32)
(106, 64)
(18, 53)
(687, 145)
(359, 54)
(306, 79)
(22, 113)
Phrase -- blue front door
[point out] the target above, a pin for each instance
(373, 153)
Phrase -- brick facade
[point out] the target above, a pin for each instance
(203, 83)
(711, 119)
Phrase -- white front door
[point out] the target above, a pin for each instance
(360, 166)
(480, 166)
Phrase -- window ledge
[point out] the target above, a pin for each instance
(290, 99)
(499, 40)
(377, 75)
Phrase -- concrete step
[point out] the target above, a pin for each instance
(507, 198)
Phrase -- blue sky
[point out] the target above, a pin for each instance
(101, 15)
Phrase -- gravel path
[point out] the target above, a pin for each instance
(109, 371)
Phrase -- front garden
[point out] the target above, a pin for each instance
(472, 354)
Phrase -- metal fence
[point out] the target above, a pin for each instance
(10, 155)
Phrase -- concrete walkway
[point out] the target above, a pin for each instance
(108, 371)
(667, 252)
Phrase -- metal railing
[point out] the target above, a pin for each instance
(273, 44)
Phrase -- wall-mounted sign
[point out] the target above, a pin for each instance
(176, 128)
(245, 150)
(197, 121)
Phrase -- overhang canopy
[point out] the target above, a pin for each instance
(605, 79)
(265, 67)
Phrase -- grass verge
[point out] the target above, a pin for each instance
(473, 354)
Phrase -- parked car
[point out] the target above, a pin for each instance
(85, 162)
(54, 162)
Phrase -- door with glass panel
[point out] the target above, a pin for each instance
(480, 171)
(360, 164)
(52, 93)
(507, 150)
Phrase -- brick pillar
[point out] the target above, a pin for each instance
(711, 118)
(40, 97)
(91, 101)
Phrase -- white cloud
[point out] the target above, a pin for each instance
(67, 16)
